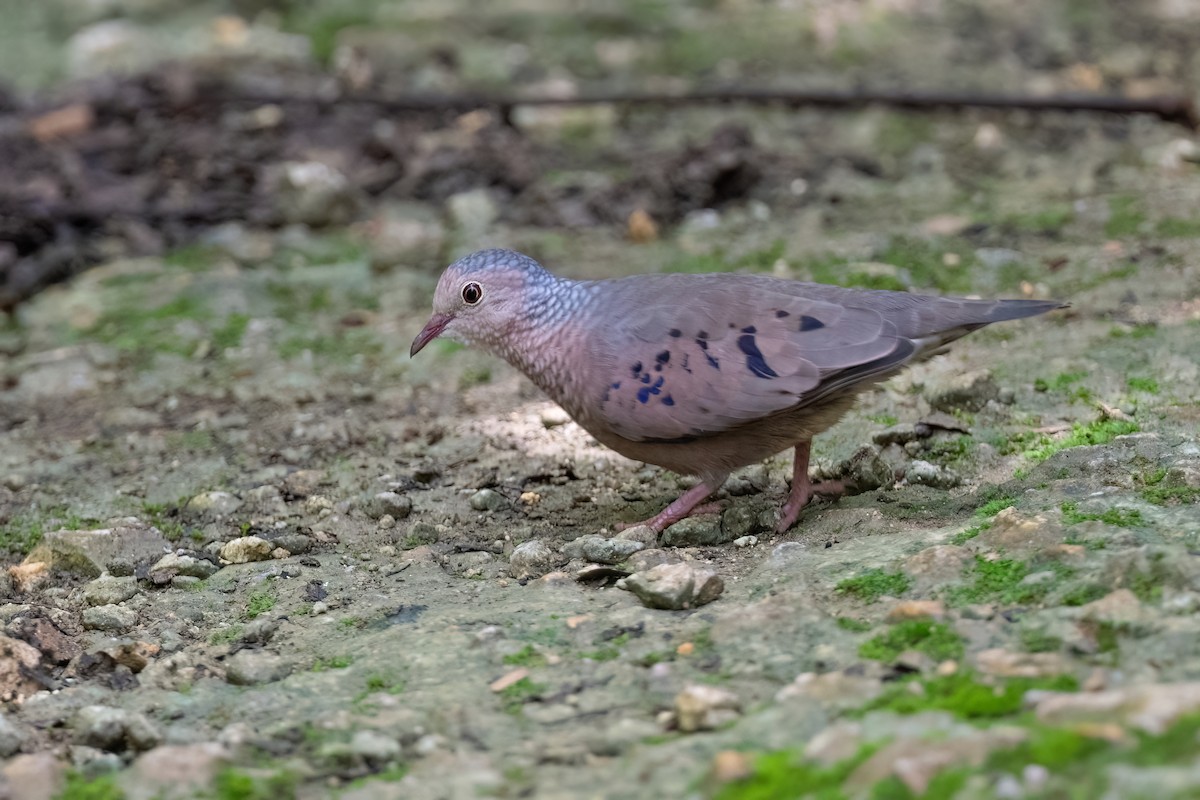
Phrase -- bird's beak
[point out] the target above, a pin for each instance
(437, 323)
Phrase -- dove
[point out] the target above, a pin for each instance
(699, 373)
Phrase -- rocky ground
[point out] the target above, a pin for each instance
(254, 551)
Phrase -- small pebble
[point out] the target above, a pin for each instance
(554, 416)
(387, 522)
(731, 765)
(745, 541)
(487, 500)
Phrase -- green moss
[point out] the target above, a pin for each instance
(1147, 385)
(340, 346)
(514, 697)
(1078, 764)
(964, 695)
(322, 24)
(656, 657)
(760, 260)
(233, 784)
(476, 376)
(231, 332)
(79, 787)
(886, 420)
(194, 441)
(900, 132)
(294, 302)
(1108, 637)
(193, 258)
(134, 329)
(919, 258)
(166, 518)
(950, 451)
(1146, 586)
(1176, 745)
(1155, 489)
(923, 259)
(1118, 517)
(1125, 217)
(21, 534)
(698, 263)
(547, 636)
(1036, 640)
(1058, 383)
(1046, 220)
(1000, 581)
(225, 635)
(602, 654)
(324, 664)
(1082, 594)
(260, 603)
(1082, 434)
(1143, 331)
(611, 648)
(391, 774)
(376, 684)
(853, 625)
(875, 583)
(381, 683)
(1177, 228)
(1063, 383)
(995, 505)
(527, 656)
(1052, 748)
(962, 537)
(933, 639)
(786, 774)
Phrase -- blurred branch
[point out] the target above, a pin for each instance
(1179, 108)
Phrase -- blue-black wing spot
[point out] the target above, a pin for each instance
(780, 314)
(754, 358)
(636, 369)
(674, 333)
(703, 345)
(808, 323)
(663, 357)
(750, 329)
(702, 335)
(644, 393)
(668, 400)
(617, 385)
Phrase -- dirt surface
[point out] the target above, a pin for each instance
(317, 568)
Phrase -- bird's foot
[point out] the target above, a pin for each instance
(686, 505)
(803, 494)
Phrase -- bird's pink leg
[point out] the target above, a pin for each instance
(684, 506)
(803, 489)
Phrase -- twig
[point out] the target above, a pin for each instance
(1179, 108)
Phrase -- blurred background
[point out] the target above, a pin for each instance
(137, 127)
(220, 228)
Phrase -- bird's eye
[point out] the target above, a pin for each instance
(472, 293)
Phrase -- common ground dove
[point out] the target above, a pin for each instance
(700, 374)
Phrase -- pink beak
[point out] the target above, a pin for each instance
(437, 323)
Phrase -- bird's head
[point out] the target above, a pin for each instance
(480, 297)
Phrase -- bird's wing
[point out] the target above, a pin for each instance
(694, 356)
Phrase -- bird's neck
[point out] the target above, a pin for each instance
(548, 340)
